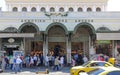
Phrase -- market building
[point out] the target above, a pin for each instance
(57, 26)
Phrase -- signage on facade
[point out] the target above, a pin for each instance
(103, 41)
(56, 20)
(11, 40)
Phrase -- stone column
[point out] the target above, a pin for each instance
(115, 49)
(24, 45)
(84, 48)
(45, 45)
(91, 48)
(0, 44)
(68, 47)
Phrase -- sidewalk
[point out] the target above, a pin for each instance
(32, 71)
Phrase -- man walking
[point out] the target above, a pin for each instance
(17, 65)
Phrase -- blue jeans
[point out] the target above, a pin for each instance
(17, 68)
(56, 67)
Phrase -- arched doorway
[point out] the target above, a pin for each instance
(56, 40)
(82, 39)
(32, 45)
(56, 34)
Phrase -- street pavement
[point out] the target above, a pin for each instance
(32, 71)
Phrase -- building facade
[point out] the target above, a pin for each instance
(57, 26)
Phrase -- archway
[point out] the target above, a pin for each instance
(32, 45)
(56, 39)
(28, 28)
(82, 38)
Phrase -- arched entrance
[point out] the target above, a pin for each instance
(82, 39)
(56, 33)
(32, 45)
(28, 28)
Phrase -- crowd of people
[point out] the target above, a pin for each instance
(16, 63)
(79, 59)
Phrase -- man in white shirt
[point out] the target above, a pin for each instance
(17, 67)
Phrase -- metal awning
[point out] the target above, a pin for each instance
(108, 36)
(7, 35)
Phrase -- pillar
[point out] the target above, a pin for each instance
(24, 45)
(91, 48)
(68, 47)
(45, 45)
(1, 44)
(115, 49)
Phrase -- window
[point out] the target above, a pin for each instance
(24, 9)
(33, 9)
(15, 9)
(71, 9)
(10, 29)
(93, 64)
(89, 9)
(98, 9)
(103, 29)
(80, 9)
(52, 9)
(96, 72)
(61, 9)
(42, 9)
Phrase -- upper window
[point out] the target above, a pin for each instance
(61, 9)
(33, 9)
(10, 29)
(89, 9)
(80, 9)
(71, 9)
(103, 29)
(15, 9)
(52, 9)
(24, 9)
(98, 9)
(42, 9)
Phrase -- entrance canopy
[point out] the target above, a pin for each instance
(7, 35)
(108, 36)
